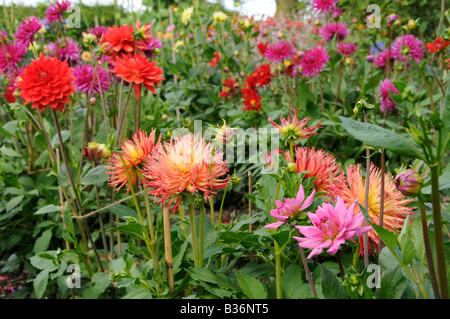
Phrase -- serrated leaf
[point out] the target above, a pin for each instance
(48, 209)
(251, 287)
(331, 287)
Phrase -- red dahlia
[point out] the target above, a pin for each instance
(46, 81)
(138, 70)
(118, 40)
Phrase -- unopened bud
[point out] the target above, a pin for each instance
(408, 182)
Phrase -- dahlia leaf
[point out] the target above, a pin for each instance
(378, 137)
(331, 287)
(251, 287)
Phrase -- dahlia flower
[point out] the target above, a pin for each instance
(252, 99)
(66, 49)
(328, 175)
(332, 226)
(294, 129)
(290, 208)
(395, 204)
(263, 75)
(279, 51)
(324, 6)
(118, 40)
(98, 31)
(262, 47)
(138, 70)
(272, 158)
(438, 45)
(406, 48)
(314, 61)
(187, 165)
(386, 87)
(54, 11)
(346, 49)
(27, 30)
(382, 57)
(338, 30)
(229, 88)
(135, 154)
(84, 74)
(46, 81)
(11, 55)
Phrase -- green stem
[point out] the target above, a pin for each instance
(428, 251)
(278, 269)
(193, 233)
(200, 234)
(219, 222)
(438, 236)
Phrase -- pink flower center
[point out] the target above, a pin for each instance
(329, 227)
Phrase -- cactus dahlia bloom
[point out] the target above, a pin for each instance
(320, 165)
(135, 153)
(185, 164)
(294, 129)
(46, 81)
(395, 204)
(332, 226)
(54, 11)
(291, 207)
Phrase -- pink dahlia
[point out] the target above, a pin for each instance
(406, 48)
(11, 55)
(386, 87)
(280, 51)
(346, 49)
(324, 6)
(381, 59)
(54, 11)
(98, 31)
(314, 61)
(332, 226)
(291, 207)
(84, 74)
(338, 30)
(27, 30)
(66, 49)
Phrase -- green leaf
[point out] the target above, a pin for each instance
(389, 239)
(100, 282)
(378, 137)
(393, 283)
(292, 283)
(9, 152)
(138, 293)
(13, 202)
(251, 287)
(40, 283)
(42, 242)
(96, 175)
(406, 243)
(207, 275)
(48, 209)
(331, 287)
(123, 211)
(131, 228)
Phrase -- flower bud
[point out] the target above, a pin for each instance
(411, 24)
(92, 101)
(408, 182)
(292, 167)
(104, 151)
(164, 117)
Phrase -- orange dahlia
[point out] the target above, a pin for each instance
(395, 204)
(185, 165)
(320, 165)
(138, 70)
(46, 81)
(135, 153)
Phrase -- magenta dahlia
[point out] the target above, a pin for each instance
(84, 74)
(280, 51)
(314, 61)
(406, 48)
(27, 30)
